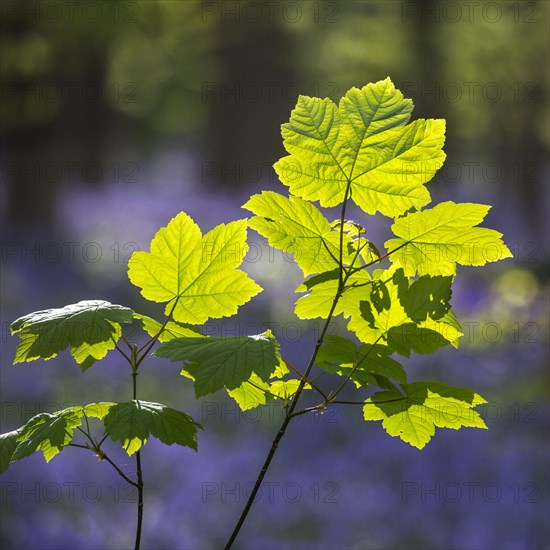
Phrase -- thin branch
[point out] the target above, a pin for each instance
(315, 408)
(359, 247)
(353, 369)
(126, 342)
(139, 473)
(262, 389)
(322, 373)
(88, 426)
(341, 251)
(308, 380)
(87, 447)
(282, 430)
(356, 269)
(296, 397)
(88, 436)
(122, 352)
(139, 486)
(355, 285)
(103, 456)
(103, 439)
(329, 251)
(120, 472)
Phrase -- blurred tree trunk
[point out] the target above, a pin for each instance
(428, 52)
(66, 150)
(250, 102)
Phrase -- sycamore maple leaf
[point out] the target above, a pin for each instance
(195, 274)
(363, 147)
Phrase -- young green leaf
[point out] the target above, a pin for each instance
(298, 227)
(364, 143)
(433, 241)
(285, 389)
(337, 350)
(251, 393)
(133, 422)
(308, 284)
(414, 416)
(196, 273)
(428, 296)
(404, 317)
(47, 432)
(94, 410)
(8, 444)
(318, 301)
(219, 361)
(447, 326)
(341, 355)
(51, 432)
(91, 328)
(254, 391)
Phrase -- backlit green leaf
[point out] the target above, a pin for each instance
(298, 227)
(364, 144)
(224, 362)
(433, 241)
(254, 391)
(284, 389)
(424, 406)
(308, 284)
(341, 355)
(251, 393)
(317, 303)
(91, 328)
(133, 422)
(404, 316)
(196, 273)
(8, 444)
(51, 432)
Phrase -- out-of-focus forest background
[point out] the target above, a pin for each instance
(117, 115)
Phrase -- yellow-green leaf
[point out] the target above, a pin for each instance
(318, 301)
(196, 273)
(251, 393)
(405, 316)
(298, 227)
(414, 415)
(364, 147)
(433, 241)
